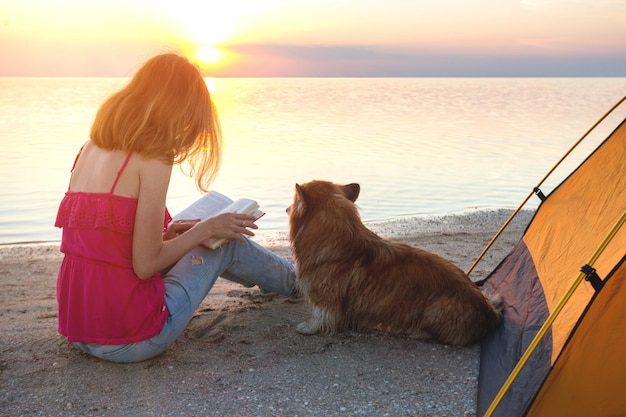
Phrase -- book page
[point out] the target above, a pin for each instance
(244, 205)
(208, 205)
(214, 203)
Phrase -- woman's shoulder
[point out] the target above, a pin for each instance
(154, 178)
(152, 167)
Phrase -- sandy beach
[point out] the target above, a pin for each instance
(240, 355)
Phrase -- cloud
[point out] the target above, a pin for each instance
(361, 61)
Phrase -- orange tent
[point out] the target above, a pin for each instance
(559, 349)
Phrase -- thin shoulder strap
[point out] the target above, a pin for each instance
(119, 173)
(76, 159)
(74, 165)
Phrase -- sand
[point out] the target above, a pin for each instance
(241, 355)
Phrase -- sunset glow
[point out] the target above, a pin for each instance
(209, 54)
(317, 38)
(200, 22)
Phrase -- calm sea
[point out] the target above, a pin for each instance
(419, 147)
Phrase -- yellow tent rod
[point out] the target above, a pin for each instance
(504, 226)
(551, 318)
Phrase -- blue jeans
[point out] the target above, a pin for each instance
(188, 282)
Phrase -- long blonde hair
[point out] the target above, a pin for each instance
(165, 112)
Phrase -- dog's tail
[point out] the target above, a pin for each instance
(496, 301)
(497, 306)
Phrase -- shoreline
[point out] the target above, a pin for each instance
(240, 354)
(471, 222)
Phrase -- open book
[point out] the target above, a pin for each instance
(213, 203)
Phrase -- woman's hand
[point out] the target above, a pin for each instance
(178, 227)
(229, 226)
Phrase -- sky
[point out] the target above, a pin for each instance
(317, 38)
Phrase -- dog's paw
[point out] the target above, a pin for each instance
(307, 328)
(321, 321)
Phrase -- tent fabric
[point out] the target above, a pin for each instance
(516, 282)
(572, 223)
(588, 378)
(566, 231)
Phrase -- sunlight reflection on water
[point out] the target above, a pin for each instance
(418, 146)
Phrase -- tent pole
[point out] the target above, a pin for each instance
(504, 226)
(551, 318)
(497, 235)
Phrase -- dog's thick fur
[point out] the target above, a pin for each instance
(355, 280)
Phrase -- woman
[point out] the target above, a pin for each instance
(131, 279)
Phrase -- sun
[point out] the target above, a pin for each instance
(208, 58)
(209, 55)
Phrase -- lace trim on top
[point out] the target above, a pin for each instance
(81, 210)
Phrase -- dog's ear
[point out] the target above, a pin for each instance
(298, 200)
(351, 191)
(299, 192)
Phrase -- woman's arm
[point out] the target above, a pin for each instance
(151, 253)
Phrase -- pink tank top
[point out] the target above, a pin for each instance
(100, 298)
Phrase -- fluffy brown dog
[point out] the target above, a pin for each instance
(354, 279)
